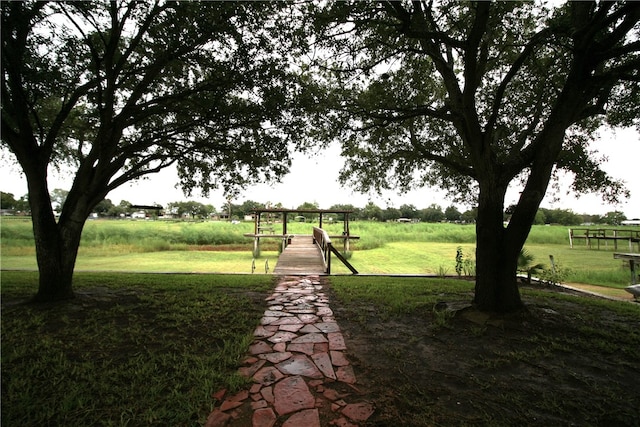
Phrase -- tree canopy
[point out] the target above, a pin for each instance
(432, 95)
(125, 89)
(117, 90)
(475, 97)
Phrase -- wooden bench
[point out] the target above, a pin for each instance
(634, 260)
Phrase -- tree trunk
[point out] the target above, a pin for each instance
(496, 262)
(56, 257)
(56, 246)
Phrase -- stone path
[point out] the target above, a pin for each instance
(301, 375)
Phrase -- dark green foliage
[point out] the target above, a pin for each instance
(125, 89)
(474, 98)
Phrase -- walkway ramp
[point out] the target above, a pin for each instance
(301, 256)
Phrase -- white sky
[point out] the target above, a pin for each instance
(315, 179)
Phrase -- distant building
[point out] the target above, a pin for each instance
(412, 220)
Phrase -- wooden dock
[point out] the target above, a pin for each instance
(606, 235)
(301, 256)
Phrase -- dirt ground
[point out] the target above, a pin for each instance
(555, 364)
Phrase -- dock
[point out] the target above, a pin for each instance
(605, 235)
(301, 254)
(300, 257)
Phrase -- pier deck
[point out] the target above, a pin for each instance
(302, 256)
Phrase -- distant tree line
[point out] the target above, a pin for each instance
(433, 213)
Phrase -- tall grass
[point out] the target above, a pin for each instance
(148, 234)
(189, 233)
(129, 236)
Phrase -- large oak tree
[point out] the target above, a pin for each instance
(476, 97)
(115, 91)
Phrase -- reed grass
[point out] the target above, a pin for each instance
(146, 235)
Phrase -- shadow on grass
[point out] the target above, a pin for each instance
(130, 349)
(428, 358)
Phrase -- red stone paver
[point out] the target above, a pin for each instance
(262, 332)
(292, 395)
(259, 347)
(219, 395)
(282, 336)
(306, 338)
(295, 360)
(217, 418)
(306, 348)
(323, 362)
(268, 375)
(310, 329)
(358, 411)
(248, 371)
(307, 418)
(280, 347)
(292, 328)
(258, 404)
(287, 321)
(276, 357)
(328, 327)
(264, 417)
(336, 341)
(299, 364)
(338, 358)
(230, 404)
(346, 375)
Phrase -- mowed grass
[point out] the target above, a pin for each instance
(579, 265)
(163, 262)
(395, 296)
(131, 349)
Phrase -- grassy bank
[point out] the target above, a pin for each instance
(131, 349)
(577, 265)
(385, 248)
(189, 261)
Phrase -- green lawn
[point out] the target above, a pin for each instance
(150, 349)
(383, 248)
(581, 265)
(166, 261)
(131, 349)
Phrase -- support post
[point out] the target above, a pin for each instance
(284, 223)
(571, 238)
(256, 222)
(284, 231)
(346, 232)
(256, 246)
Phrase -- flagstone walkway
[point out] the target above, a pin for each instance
(301, 374)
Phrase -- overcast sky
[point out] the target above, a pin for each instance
(315, 179)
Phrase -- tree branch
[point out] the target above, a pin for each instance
(517, 65)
